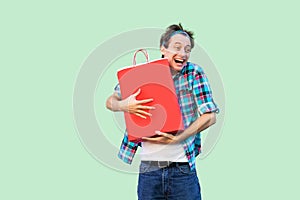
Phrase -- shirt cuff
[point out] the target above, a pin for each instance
(208, 107)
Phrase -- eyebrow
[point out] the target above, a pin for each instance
(181, 43)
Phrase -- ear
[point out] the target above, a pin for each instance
(162, 50)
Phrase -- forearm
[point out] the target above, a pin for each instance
(114, 103)
(202, 123)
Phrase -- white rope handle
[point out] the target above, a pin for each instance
(144, 52)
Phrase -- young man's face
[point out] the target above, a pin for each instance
(178, 52)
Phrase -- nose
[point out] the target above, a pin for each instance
(182, 53)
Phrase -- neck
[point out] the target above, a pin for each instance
(173, 72)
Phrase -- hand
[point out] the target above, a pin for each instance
(163, 138)
(134, 106)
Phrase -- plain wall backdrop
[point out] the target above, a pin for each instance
(254, 45)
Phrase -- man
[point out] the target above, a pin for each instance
(167, 169)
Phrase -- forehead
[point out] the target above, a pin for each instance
(179, 38)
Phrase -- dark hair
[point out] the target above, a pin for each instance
(170, 31)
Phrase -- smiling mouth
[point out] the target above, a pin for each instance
(179, 61)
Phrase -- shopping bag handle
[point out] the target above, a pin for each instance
(140, 50)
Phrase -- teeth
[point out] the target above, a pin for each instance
(178, 60)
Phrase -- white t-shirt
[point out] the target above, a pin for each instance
(163, 152)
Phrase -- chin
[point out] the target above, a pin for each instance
(178, 68)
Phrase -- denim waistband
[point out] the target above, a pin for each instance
(163, 164)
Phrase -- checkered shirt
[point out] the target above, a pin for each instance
(195, 98)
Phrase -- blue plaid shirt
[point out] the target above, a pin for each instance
(195, 98)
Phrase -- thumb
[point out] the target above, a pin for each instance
(137, 93)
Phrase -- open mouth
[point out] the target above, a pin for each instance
(179, 61)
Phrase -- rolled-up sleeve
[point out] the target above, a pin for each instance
(203, 94)
(118, 90)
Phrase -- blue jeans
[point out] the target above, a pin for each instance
(171, 183)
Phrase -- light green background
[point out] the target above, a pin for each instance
(254, 44)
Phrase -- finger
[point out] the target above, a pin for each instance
(166, 135)
(147, 139)
(153, 140)
(145, 101)
(139, 115)
(146, 107)
(137, 93)
(157, 140)
(144, 112)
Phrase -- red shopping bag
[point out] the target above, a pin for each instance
(155, 81)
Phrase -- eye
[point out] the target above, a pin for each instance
(177, 48)
(187, 49)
